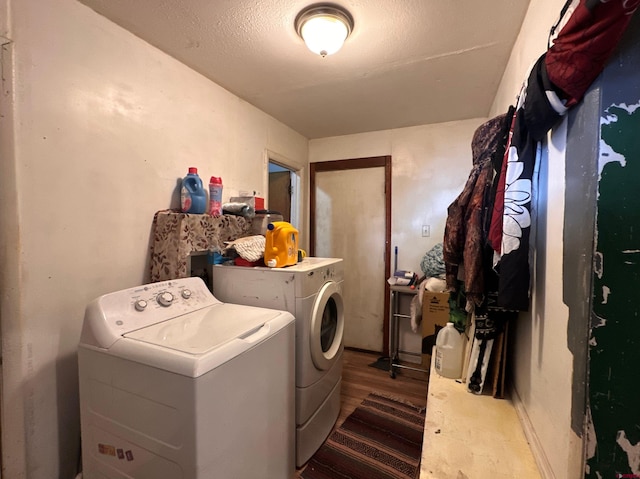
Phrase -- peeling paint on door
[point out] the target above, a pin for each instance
(613, 427)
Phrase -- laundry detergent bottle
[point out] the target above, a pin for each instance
(193, 197)
(281, 245)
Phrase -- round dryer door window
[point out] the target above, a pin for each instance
(327, 325)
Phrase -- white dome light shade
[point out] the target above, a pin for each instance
(324, 35)
(324, 29)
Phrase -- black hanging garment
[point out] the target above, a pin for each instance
(513, 266)
(558, 81)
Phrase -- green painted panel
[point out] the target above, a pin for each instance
(614, 386)
(614, 362)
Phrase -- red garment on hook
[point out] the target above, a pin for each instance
(579, 53)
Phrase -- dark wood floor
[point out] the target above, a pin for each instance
(359, 379)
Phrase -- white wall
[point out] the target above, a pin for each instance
(104, 126)
(430, 165)
(543, 366)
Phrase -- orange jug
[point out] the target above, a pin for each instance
(281, 245)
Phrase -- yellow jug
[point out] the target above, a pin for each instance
(281, 245)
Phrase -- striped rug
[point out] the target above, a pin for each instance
(381, 439)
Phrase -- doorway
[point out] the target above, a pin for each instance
(283, 193)
(350, 218)
(280, 190)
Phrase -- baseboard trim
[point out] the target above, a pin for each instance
(532, 438)
(359, 350)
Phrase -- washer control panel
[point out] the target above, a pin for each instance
(110, 316)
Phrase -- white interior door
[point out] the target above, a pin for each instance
(350, 224)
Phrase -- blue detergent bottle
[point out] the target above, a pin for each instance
(193, 198)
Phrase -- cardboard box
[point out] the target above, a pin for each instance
(435, 315)
(256, 202)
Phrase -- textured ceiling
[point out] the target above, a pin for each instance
(406, 63)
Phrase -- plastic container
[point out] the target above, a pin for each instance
(281, 245)
(215, 196)
(193, 197)
(449, 352)
(261, 220)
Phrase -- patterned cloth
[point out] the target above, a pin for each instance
(588, 35)
(432, 264)
(176, 235)
(464, 230)
(250, 248)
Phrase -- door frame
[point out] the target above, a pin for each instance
(354, 164)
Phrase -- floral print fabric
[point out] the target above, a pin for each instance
(176, 235)
(589, 33)
(432, 264)
(513, 283)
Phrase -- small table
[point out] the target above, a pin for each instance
(394, 325)
(176, 236)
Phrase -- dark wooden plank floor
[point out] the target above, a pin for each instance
(359, 379)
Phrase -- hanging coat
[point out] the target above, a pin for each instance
(537, 111)
(557, 81)
(587, 33)
(464, 237)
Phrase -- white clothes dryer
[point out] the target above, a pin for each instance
(176, 384)
(312, 291)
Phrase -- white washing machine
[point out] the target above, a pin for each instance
(176, 384)
(312, 291)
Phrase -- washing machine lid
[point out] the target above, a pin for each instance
(205, 330)
(201, 341)
(176, 325)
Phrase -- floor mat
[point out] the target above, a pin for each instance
(381, 439)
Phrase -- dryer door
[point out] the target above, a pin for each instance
(327, 325)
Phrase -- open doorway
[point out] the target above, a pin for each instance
(280, 190)
(284, 191)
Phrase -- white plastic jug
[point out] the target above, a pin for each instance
(449, 352)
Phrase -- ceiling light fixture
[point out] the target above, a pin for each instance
(324, 28)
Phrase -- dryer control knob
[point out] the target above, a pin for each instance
(165, 299)
(186, 293)
(140, 305)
